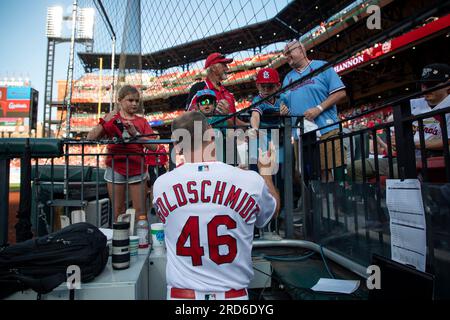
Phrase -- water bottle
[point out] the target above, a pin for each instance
(142, 231)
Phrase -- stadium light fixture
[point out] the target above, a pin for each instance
(54, 22)
(85, 24)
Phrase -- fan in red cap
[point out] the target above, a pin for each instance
(268, 75)
(216, 57)
(264, 113)
(217, 71)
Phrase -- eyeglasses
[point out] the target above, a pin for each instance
(206, 102)
(288, 52)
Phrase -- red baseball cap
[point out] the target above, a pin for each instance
(216, 57)
(267, 75)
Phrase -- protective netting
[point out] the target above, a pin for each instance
(143, 27)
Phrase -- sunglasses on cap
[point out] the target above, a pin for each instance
(206, 101)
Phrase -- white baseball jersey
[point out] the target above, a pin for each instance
(431, 126)
(209, 211)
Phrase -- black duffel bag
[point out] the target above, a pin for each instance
(41, 264)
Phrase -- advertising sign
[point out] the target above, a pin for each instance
(18, 93)
(11, 121)
(3, 108)
(2, 93)
(16, 108)
(381, 49)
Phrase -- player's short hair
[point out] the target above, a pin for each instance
(188, 121)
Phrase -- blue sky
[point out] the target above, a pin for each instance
(24, 44)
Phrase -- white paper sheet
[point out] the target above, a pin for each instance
(108, 233)
(407, 222)
(334, 285)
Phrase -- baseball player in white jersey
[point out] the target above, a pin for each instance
(432, 75)
(209, 210)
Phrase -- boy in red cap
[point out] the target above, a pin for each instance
(267, 83)
(266, 115)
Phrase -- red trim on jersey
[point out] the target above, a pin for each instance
(235, 293)
(178, 293)
(182, 293)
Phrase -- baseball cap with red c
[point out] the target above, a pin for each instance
(267, 75)
(216, 57)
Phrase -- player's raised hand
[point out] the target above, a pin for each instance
(267, 161)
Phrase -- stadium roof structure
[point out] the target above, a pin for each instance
(289, 23)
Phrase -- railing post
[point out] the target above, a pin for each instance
(4, 201)
(307, 219)
(288, 182)
(404, 140)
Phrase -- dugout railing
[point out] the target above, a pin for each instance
(345, 206)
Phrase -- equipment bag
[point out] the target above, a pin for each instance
(41, 263)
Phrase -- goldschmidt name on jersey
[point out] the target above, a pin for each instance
(207, 192)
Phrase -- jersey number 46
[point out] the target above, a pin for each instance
(196, 252)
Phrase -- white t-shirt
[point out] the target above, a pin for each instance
(209, 211)
(431, 126)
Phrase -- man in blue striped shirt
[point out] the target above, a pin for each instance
(315, 98)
